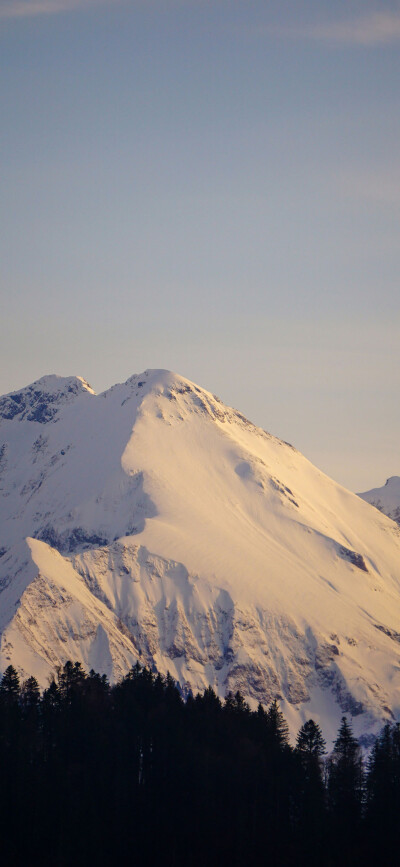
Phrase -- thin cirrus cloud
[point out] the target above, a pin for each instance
(19, 9)
(375, 28)
(31, 8)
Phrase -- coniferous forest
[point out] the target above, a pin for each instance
(135, 774)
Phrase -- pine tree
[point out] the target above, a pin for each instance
(345, 789)
(210, 700)
(310, 749)
(70, 680)
(383, 792)
(277, 727)
(236, 704)
(310, 746)
(10, 686)
(30, 694)
(51, 699)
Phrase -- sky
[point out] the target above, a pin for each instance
(212, 187)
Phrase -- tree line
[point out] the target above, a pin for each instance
(135, 774)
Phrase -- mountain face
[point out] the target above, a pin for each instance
(154, 523)
(386, 499)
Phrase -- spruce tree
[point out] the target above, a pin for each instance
(30, 694)
(383, 793)
(70, 680)
(310, 750)
(345, 791)
(310, 746)
(277, 727)
(10, 685)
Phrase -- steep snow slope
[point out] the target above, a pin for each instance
(163, 526)
(386, 499)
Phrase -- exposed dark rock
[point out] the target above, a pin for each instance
(391, 633)
(34, 403)
(352, 557)
(71, 540)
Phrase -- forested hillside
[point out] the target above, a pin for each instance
(133, 774)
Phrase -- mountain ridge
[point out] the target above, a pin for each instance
(386, 498)
(193, 541)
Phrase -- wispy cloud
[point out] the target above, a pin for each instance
(19, 9)
(31, 8)
(375, 28)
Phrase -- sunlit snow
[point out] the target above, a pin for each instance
(161, 525)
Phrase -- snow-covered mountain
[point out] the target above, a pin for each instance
(386, 498)
(153, 523)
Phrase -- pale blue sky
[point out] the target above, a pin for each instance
(211, 187)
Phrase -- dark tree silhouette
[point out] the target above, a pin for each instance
(345, 792)
(310, 749)
(10, 686)
(383, 794)
(132, 773)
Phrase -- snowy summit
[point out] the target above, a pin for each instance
(152, 522)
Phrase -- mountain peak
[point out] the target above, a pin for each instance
(163, 526)
(156, 376)
(41, 400)
(168, 394)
